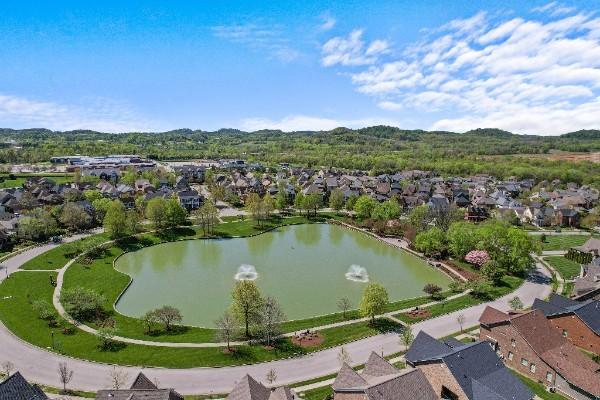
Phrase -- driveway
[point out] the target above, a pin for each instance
(40, 365)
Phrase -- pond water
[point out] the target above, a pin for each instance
(307, 268)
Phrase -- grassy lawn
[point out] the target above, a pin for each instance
(21, 178)
(567, 289)
(509, 284)
(318, 393)
(538, 388)
(568, 269)
(18, 293)
(562, 242)
(59, 256)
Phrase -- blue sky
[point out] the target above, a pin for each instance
(528, 67)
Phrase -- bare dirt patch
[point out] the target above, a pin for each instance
(311, 340)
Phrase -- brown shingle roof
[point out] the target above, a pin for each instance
(492, 316)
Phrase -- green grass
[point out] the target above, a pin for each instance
(318, 393)
(16, 311)
(562, 242)
(538, 388)
(57, 257)
(509, 284)
(568, 269)
(21, 178)
(568, 289)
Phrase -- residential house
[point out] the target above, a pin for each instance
(578, 321)
(587, 286)
(193, 173)
(591, 247)
(249, 388)
(15, 387)
(530, 345)
(142, 388)
(189, 199)
(380, 380)
(460, 371)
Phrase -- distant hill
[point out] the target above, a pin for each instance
(586, 134)
(493, 132)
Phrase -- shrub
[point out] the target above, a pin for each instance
(477, 257)
(82, 303)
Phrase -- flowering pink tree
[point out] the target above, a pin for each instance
(477, 257)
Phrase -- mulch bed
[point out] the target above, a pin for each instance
(418, 314)
(313, 340)
(466, 273)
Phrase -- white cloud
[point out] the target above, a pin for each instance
(268, 38)
(352, 50)
(525, 75)
(328, 23)
(554, 8)
(100, 114)
(310, 123)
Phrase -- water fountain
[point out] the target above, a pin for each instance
(356, 273)
(246, 272)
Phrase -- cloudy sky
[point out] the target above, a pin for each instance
(524, 66)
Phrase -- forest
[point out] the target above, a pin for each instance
(377, 149)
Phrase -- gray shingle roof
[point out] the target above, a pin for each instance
(249, 388)
(587, 311)
(16, 387)
(475, 366)
(142, 382)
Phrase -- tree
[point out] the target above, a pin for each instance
(460, 318)
(299, 202)
(271, 376)
(480, 288)
(516, 304)
(208, 215)
(106, 335)
(254, 207)
(82, 303)
(374, 300)
(271, 318)
(132, 222)
(156, 211)
(101, 207)
(313, 202)
(431, 242)
(351, 202)
(74, 217)
(227, 328)
(432, 290)
(419, 218)
(387, 210)
(7, 368)
(444, 217)
(364, 207)
(168, 315)
(115, 220)
(344, 305)
(65, 375)
(267, 206)
(343, 356)
(37, 225)
(406, 337)
(118, 377)
(92, 195)
(176, 215)
(336, 199)
(247, 303)
(462, 238)
(44, 309)
(492, 271)
(149, 319)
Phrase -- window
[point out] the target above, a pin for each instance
(524, 362)
(510, 355)
(565, 333)
(549, 376)
(532, 367)
(448, 394)
(513, 343)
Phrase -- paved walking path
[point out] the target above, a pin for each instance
(40, 365)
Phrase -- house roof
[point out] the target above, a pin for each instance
(15, 387)
(142, 382)
(138, 394)
(592, 244)
(557, 352)
(474, 366)
(492, 316)
(249, 388)
(587, 311)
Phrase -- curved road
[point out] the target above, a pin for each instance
(40, 365)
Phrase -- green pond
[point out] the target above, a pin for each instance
(307, 268)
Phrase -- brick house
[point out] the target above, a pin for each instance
(381, 380)
(459, 371)
(529, 344)
(578, 321)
